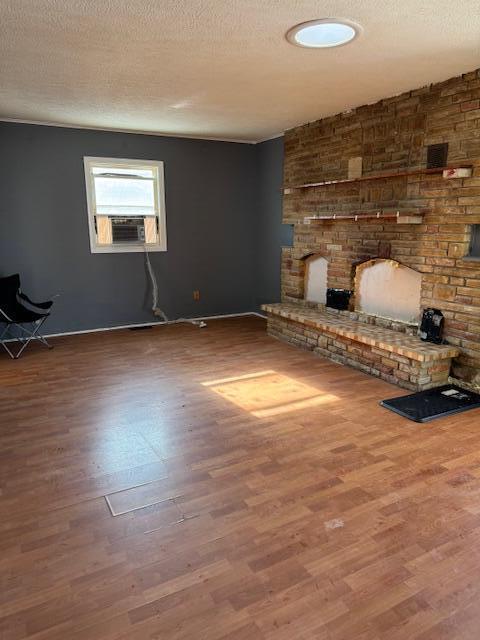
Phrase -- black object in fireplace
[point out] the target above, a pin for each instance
(431, 327)
(338, 298)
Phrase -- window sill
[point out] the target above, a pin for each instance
(128, 249)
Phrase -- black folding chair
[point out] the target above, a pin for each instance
(14, 314)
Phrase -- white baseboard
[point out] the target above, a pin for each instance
(154, 324)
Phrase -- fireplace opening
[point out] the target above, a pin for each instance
(316, 279)
(388, 289)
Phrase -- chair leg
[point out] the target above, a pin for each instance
(44, 341)
(32, 335)
(29, 336)
(4, 344)
(41, 338)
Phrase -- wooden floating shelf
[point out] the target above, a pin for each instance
(381, 176)
(402, 217)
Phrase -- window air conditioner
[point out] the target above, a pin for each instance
(128, 230)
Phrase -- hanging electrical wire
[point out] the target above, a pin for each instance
(155, 308)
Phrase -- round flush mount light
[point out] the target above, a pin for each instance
(323, 34)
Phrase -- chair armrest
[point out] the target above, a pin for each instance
(41, 305)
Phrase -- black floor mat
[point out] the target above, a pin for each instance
(434, 403)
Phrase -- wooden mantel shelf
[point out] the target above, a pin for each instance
(380, 176)
(401, 217)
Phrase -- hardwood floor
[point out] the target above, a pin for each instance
(260, 493)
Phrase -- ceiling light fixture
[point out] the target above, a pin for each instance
(325, 33)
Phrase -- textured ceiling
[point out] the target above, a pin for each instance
(218, 68)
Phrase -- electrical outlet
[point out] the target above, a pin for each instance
(196, 295)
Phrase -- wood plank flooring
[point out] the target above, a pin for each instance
(261, 494)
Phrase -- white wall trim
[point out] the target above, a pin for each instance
(272, 137)
(153, 324)
(159, 134)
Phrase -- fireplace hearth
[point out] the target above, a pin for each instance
(386, 349)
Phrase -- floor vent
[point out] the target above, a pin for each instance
(433, 403)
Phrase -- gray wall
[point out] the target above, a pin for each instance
(270, 233)
(215, 195)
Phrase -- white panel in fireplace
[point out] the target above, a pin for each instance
(388, 289)
(316, 279)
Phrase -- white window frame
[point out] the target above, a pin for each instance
(159, 190)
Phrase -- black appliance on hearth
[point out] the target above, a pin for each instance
(338, 298)
(431, 327)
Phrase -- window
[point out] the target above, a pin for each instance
(474, 251)
(126, 205)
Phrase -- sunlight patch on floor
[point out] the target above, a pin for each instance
(268, 393)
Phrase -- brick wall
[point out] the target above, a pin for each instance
(393, 134)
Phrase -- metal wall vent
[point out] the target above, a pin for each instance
(437, 155)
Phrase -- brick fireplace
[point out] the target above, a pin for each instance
(398, 212)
